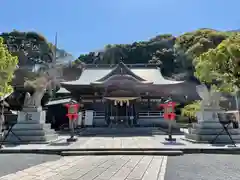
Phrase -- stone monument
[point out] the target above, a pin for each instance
(208, 125)
(31, 126)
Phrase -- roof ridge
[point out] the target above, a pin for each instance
(121, 68)
(114, 65)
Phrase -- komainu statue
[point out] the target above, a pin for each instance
(40, 86)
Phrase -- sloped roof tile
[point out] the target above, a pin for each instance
(90, 75)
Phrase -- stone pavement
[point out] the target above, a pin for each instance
(96, 168)
(189, 167)
(138, 142)
(109, 138)
(127, 167)
(10, 163)
(203, 167)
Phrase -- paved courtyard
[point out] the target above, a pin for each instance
(96, 168)
(203, 167)
(187, 167)
(116, 138)
(11, 163)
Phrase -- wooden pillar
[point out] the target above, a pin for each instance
(135, 111)
(148, 101)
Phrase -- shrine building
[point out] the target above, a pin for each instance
(125, 94)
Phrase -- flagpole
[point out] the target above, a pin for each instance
(53, 64)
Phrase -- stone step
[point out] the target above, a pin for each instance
(31, 126)
(107, 153)
(32, 132)
(31, 122)
(209, 138)
(213, 131)
(209, 125)
(32, 139)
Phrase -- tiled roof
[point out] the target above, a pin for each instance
(59, 101)
(62, 90)
(152, 74)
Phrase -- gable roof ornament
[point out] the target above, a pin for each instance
(120, 69)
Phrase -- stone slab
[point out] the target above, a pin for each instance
(213, 131)
(32, 109)
(207, 116)
(209, 125)
(33, 132)
(139, 152)
(26, 126)
(97, 168)
(208, 138)
(38, 116)
(46, 138)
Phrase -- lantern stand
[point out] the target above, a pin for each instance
(72, 115)
(170, 138)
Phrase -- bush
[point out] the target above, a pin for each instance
(191, 109)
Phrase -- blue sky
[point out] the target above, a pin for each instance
(88, 25)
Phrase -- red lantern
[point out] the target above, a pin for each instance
(72, 111)
(169, 110)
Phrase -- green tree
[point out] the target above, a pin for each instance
(8, 64)
(221, 65)
(197, 42)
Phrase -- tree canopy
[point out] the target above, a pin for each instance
(8, 64)
(221, 65)
(211, 56)
(179, 57)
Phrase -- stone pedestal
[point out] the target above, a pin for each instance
(207, 128)
(31, 127)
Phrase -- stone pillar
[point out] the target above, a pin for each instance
(31, 127)
(79, 122)
(88, 118)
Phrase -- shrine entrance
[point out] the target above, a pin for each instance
(121, 112)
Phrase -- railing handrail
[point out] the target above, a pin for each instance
(151, 114)
(140, 114)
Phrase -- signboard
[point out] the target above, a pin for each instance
(28, 117)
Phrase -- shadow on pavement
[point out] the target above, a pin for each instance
(60, 144)
(174, 143)
(11, 145)
(121, 132)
